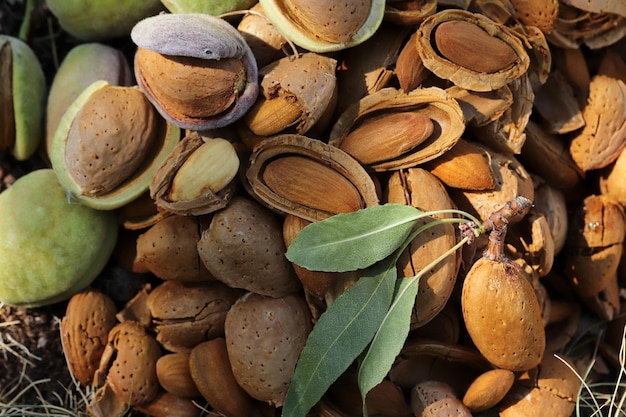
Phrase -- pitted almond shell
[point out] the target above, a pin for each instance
(604, 135)
(436, 398)
(488, 389)
(539, 13)
(464, 166)
(454, 57)
(294, 174)
(196, 177)
(498, 296)
(89, 317)
(247, 230)
(418, 188)
(482, 107)
(212, 373)
(129, 363)
(109, 137)
(325, 26)
(263, 362)
(185, 314)
(198, 36)
(432, 103)
(168, 249)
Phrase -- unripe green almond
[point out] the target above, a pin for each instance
(84, 64)
(212, 7)
(103, 19)
(28, 86)
(49, 248)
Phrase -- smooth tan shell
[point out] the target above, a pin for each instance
(488, 389)
(264, 337)
(425, 192)
(211, 371)
(498, 299)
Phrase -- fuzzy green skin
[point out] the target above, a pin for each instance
(29, 95)
(212, 7)
(49, 248)
(93, 20)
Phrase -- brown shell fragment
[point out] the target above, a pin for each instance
(129, 364)
(169, 250)
(185, 314)
(294, 174)
(196, 177)
(432, 103)
(502, 59)
(604, 135)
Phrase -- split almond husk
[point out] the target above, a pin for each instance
(428, 110)
(294, 174)
(448, 42)
(604, 135)
(296, 93)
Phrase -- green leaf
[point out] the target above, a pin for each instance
(389, 338)
(339, 336)
(351, 241)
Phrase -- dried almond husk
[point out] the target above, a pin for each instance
(613, 179)
(409, 12)
(604, 135)
(368, 67)
(294, 174)
(503, 57)
(482, 107)
(556, 103)
(576, 26)
(550, 201)
(595, 244)
(432, 103)
(507, 133)
(546, 155)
